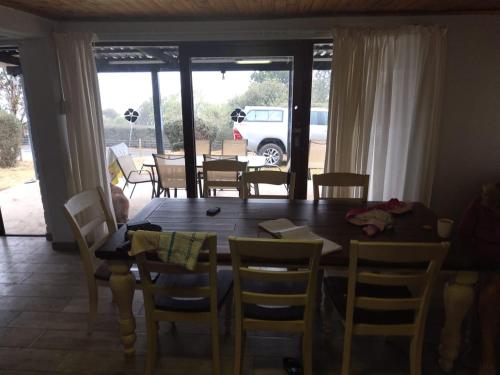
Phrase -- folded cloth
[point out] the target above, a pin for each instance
(376, 218)
(181, 248)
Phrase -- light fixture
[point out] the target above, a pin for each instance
(248, 62)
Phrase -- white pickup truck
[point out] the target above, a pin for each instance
(266, 129)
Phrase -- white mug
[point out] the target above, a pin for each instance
(444, 227)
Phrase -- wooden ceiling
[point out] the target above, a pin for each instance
(239, 9)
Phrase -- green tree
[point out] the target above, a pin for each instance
(266, 93)
(10, 139)
(320, 90)
(275, 75)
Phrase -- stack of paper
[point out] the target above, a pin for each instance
(284, 228)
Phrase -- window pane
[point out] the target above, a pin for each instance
(276, 116)
(261, 115)
(320, 94)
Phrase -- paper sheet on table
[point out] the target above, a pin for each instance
(284, 228)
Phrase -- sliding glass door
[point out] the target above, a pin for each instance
(255, 92)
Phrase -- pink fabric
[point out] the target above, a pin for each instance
(376, 218)
(481, 226)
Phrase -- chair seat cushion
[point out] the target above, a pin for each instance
(137, 177)
(167, 303)
(336, 289)
(279, 313)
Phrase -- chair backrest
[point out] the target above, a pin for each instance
(317, 153)
(342, 180)
(429, 256)
(234, 147)
(207, 264)
(222, 173)
(171, 170)
(86, 213)
(127, 165)
(203, 146)
(246, 253)
(271, 178)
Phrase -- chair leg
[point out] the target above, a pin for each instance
(175, 192)
(167, 191)
(238, 346)
(214, 330)
(132, 191)
(93, 298)
(346, 356)
(152, 337)
(307, 352)
(416, 356)
(227, 317)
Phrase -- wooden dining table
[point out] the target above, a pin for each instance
(239, 217)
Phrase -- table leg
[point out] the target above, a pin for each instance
(458, 298)
(122, 284)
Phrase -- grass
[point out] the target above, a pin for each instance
(21, 173)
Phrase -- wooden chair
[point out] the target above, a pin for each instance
(235, 147)
(181, 295)
(267, 300)
(268, 177)
(86, 213)
(134, 176)
(222, 173)
(378, 302)
(342, 180)
(203, 147)
(171, 172)
(316, 159)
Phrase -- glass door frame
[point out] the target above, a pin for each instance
(302, 53)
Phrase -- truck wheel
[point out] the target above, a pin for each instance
(272, 152)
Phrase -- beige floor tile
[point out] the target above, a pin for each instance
(33, 303)
(31, 359)
(18, 337)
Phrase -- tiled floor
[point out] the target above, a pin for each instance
(43, 329)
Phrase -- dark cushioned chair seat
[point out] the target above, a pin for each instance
(224, 283)
(336, 289)
(273, 313)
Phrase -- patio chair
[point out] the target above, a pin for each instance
(87, 213)
(171, 172)
(342, 180)
(203, 147)
(267, 300)
(234, 147)
(133, 176)
(181, 295)
(222, 173)
(375, 301)
(276, 178)
(317, 153)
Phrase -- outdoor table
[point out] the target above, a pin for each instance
(241, 217)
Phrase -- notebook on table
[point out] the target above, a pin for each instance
(285, 229)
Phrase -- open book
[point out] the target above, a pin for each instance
(284, 228)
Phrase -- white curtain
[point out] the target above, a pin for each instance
(385, 108)
(82, 106)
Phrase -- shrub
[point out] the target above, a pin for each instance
(10, 139)
(174, 133)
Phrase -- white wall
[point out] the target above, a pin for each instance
(469, 153)
(43, 96)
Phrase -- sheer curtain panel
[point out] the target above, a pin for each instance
(385, 108)
(82, 106)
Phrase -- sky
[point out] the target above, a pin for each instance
(121, 91)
